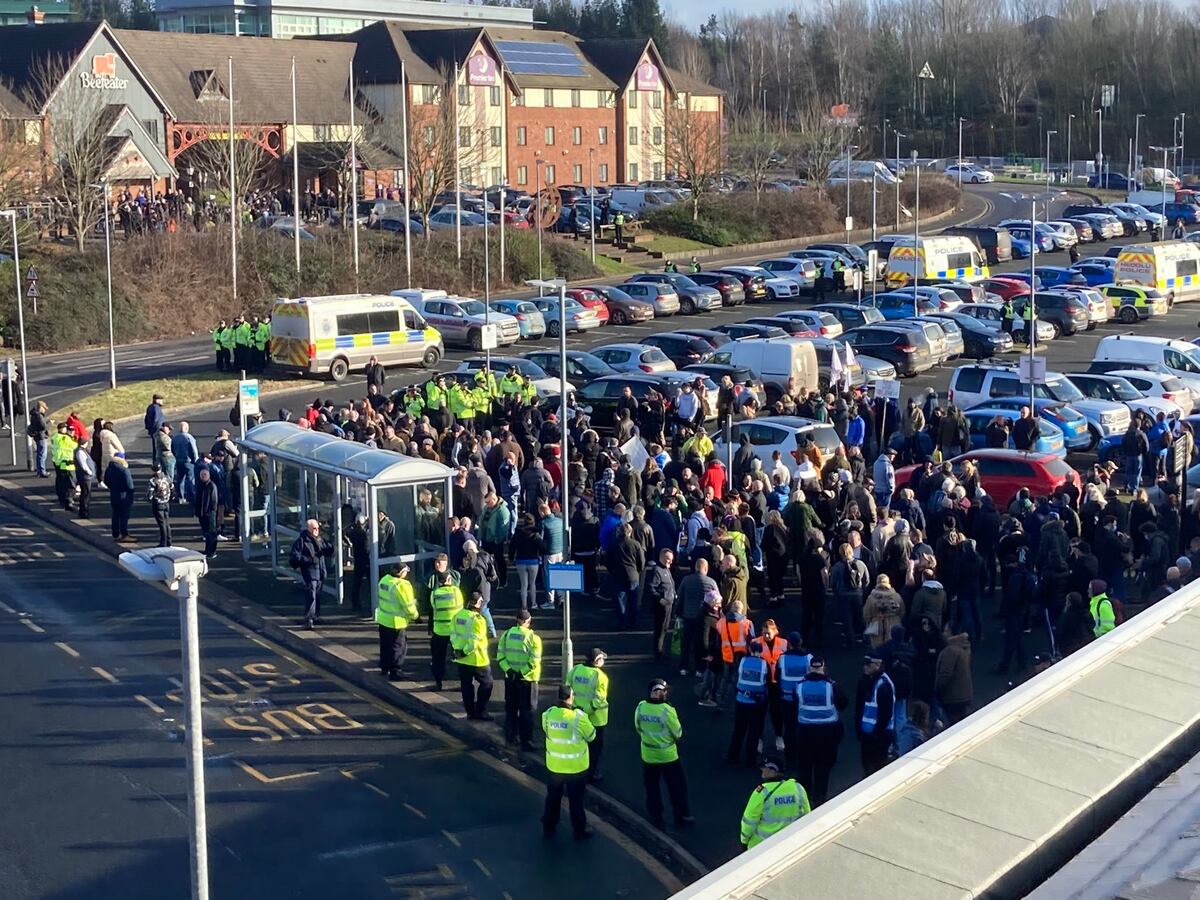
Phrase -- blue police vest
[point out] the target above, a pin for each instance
(816, 703)
(791, 670)
(870, 714)
(752, 680)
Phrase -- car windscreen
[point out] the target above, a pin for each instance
(472, 307)
(1062, 390)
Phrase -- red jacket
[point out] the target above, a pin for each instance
(714, 477)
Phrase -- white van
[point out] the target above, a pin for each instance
(943, 258)
(335, 334)
(1157, 353)
(1173, 267)
(861, 170)
(641, 200)
(774, 361)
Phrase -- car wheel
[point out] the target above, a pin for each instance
(339, 370)
(1095, 436)
(617, 317)
(1057, 331)
(976, 180)
(430, 359)
(476, 340)
(552, 328)
(687, 307)
(1128, 315)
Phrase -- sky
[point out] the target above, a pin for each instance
(692, 13)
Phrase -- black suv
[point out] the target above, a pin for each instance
(904, 348)
(1066, 312)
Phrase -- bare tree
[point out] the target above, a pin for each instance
(694, 146)
(816, 144)
(753, 149)
(78, 146)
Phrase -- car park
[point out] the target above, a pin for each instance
(582, 366)
(1152, 218)
(785, 434)
(622, 308)
(1083, 229)
(802, 271)
(681, 349)
(908, 353)
(931, 332)
(589, 299)
(1180, 358)
(661, 296)
(856, 254)
(728, 286)
(1099, 310)
(575, 316)
(528, 316)
(992, 315)
(851, 315)
(980, 340)
(693, 298)
(754, 282)
(1003, 473)
(634, 358)
(541, 380)
(1050, 437)
(1131, 303)
(1066, 313)
(953, 341)
(1119, 389)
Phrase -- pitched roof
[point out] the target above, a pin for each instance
(170, 61)
(592, 77)
(25, 50)
(380, 48)
(685, 82)
(441, 48)
(618, 57)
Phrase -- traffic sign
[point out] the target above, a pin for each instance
(31, 274)
(32, 291)
(9, 369)
(248, 397)
(887, 389)
(926, 72)
(489, 337)
(1032, 369)
(564, 577)
(1179, 455)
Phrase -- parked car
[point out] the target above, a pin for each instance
(542, 382)
(1068, 420)
(821, 323)
(742, 330)
(661, 296)
(991, 315)
(622, 308)
(893, 344)
(851, 315)
(681, 349)
(634, 358)
(1053, 276)
(754, 286)
(786, 434)
(693, 298)
(577, 317)
(802, 271)
(582, 366)
(1119, 389)
(599, 398)
(528, 316)
(1093, 275)
(728, 286)
(1005, 288)
(1003, 473)
(1132, 303)
(1050, 437)
(460, 320)
(774, 287)
(969, 173)
(1066, 313)
(980, 340)
(791, 326)
(589, 299)
(716, 338)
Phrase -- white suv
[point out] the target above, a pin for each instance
(460, 320)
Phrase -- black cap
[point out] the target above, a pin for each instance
(657, 684)
(564, 692)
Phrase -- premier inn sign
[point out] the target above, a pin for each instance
(103, 76)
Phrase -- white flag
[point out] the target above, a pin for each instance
(836, 370)
(851, 360)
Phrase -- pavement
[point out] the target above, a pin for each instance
(314, 788)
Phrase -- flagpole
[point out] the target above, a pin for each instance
(353, 173)
(457, 174)
(407, 207)
(233, 216)
(295, 169)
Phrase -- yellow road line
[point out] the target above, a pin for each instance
(380, 791)
(154, 707)
(67, 649)
(451, 838)
(482, 868)
(416, 812)
(447, 872)
(267, 779)
(33, 626)
(106, 675)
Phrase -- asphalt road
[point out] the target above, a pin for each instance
(313, 789)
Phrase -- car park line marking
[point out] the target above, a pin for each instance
(146, 701)
(416, 812)
(106, 675)
(33, 626)
(451, 838)
(267, 779)
(380, 791)
(482, 868)
(67, 649)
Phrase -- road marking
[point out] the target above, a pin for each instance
(505, 895)
(267, 779)
(416, 812)
(451, 838)
(482, 868)
(380, 791)
(146, 701)
(106, 675)
(8, 609)
(33, 626)
(67, 649)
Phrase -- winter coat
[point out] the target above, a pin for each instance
(734, 584)
(625, 560)
(929, 600)
(952, 681)
(885, 607)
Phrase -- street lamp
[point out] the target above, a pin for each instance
(960, 125)
(917, 255)
(1099, 152)
(1182, 130)
(112, 346)
(11, 214)
(850, 148)
(537, 210)
(898, 136)
(1137, 121)
(1048, 134)
(1070, 168)
(180, 570)
(1163, 179)
(592, 203)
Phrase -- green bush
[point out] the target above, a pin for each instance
(728, 219)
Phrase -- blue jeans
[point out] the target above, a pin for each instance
(1133, 472)
(627, 605)
(185, 485)
(43, 455)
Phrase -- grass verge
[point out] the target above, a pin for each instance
(615, 267)
(185, 390)
(671, 244)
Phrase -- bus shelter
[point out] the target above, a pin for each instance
(290, 475)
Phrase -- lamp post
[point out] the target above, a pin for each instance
(1182, 131)
(1163, 179)
(1099, 153)
(1048, 134)
(1032, 335)
(850, 148)
(898, 136)
(11, 215)
(917, 256)
(960, 125)
(1137, 121)
(592, 203)
(112, 345)
(537, 211)
(1070, 168)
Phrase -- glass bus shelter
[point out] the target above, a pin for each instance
(290, 474)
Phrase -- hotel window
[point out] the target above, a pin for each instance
(549, 174)
(577, 174)
(633, 136)
(606, 98)
(602, 171)
(520, 135)
(496, 135)
(631, 99)
(549, 135)
(464, 95)
(602, 134)
(427, 135)
(548, 97)
(522, 175)
(656, 100)
(464, 175)
(576, 135)
(464, 137)
(429, 94)
(577, 98)
(518, 100)
(657, 136)
(494, 96)
(633, 172)
(495, 174)
(658, 171)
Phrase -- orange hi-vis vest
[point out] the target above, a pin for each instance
(734, 637)
(772, 652)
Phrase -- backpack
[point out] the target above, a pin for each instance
(856, 574)
(1118, 609)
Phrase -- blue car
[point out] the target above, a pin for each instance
(530, 319)
(1053, 276)
(1069, 421)
(1045, 243)
(1021, 247)
(1051, 439)
(895, 305)
(1094, 275)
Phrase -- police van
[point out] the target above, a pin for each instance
(1172, 267)
(949, 258)
(333, 335)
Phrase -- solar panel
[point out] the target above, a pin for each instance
(534, 58)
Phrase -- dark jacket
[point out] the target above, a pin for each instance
(119, 481)
(308, 557)
(658, 587)
(527, 544)
(207, 499)
(625, 561)
(952, 681)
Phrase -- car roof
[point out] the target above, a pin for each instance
(502, 360)
(796, 422)
(1002, 453)
(625, 346)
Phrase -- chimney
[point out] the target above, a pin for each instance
(35, 16)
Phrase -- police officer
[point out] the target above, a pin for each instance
(694, 266)
(259, 334)
(519, 653)
(589, 682)
(218, 336)
(435, 403)
(228, 340)
(414, 403)
(658, 728)
(241, 344)
(774, 805)
(469, 637)
(1006, 316)
(62, 458)
(875, 714)
(568, 732)
(461, 405)
(818, 732)
(397, 607)
(750, 708)
(618, 228)
(790, 671)
(445, 601)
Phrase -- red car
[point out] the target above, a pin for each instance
(591, 300)
(1004, 472)
(1007, 288)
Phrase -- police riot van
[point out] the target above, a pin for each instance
(1172, 267)
(333, 335)
(949, 258)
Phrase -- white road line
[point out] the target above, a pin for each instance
(67, 649)
(33, 626)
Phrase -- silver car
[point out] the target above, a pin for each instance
(693, 297)
(662, 296)
(992, 315)
(634, 358)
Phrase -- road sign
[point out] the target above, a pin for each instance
(1107, 93)
(9, 369)
(32, 291)
(849, 223)
(489, 338)
(887, 389)
(1032, 370)
(564, 577)
(248, 397)
(926, 72)
(31, 274)
(1179, 455)
(873, 262)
